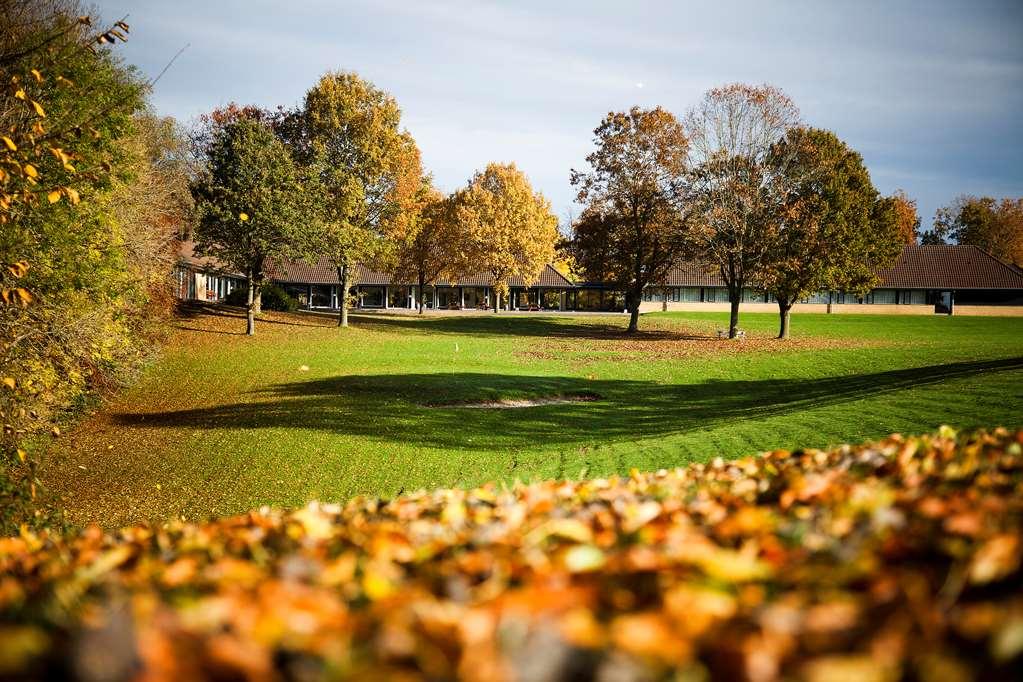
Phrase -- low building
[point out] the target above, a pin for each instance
(923, 280)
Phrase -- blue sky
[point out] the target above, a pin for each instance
(930, 93)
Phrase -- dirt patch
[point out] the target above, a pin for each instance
(513, 403)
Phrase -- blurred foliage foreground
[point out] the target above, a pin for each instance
(896, 559)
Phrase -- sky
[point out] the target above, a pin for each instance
(930, 93)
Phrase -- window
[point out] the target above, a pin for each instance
(371, 297)
(883, 296)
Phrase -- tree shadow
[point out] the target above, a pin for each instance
(193, 311)
(395, 407)
(520, 325)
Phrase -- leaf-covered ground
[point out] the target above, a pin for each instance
(897, 559)
(305, 411)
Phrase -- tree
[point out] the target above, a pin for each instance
(369, 170)
(907, 220)
(833, 232)
(424, 250)
(633, 229)
(251, 204)
(735, 186)
(82, 259)
(995, 226)
(505, 230)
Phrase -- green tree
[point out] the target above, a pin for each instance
(369, 169)
(81, 183)
(633, 229)
(251, 204)
(504, 228)
(736, 184)
(833, 231)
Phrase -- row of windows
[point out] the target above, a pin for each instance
(720, 294)
(210, 287)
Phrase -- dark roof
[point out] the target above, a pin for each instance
(949, 266)
(917, 267)
(323, 271)
(693, 274)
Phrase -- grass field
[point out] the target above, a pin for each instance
(223, 423)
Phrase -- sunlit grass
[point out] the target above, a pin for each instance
(224, 423)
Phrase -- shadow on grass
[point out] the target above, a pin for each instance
(192, 311)
(519, 325)
(394, 407)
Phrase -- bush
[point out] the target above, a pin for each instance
(239, 297)
(276, 298)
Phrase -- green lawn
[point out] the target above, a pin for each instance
(223, 423)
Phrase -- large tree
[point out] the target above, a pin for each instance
(505, 229)
(424, 249)
(995, 226)
(633, 228)
(368, 166)
(736, 187)
(832, 232)
(251, 204)
(83, 177)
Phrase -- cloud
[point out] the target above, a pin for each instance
(929, 93)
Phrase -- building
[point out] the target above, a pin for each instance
(924, 280)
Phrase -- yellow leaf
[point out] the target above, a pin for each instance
(20, 93)
(54, 196)
(10, 143)
(31, 171)
(243, 217)
(72, 194)
(9, 382)
(22, 455)
(39, 76)
(39, 108)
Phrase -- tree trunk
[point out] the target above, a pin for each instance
(733, 320)
(497, 300)
(784, 312)
(633, 303)
(342, 277)
(422, 293)
(664, 300)
(250, 308)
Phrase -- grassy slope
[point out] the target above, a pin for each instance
(224, 423)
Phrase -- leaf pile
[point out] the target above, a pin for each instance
(898, 559)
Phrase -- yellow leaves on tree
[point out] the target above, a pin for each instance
(506, 230)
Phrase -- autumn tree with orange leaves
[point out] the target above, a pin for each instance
(424, 249)
(993, 225)
(904, 213)
(633, 229)
(504, 228)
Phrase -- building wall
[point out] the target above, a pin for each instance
(836, 308)
(988, 310)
